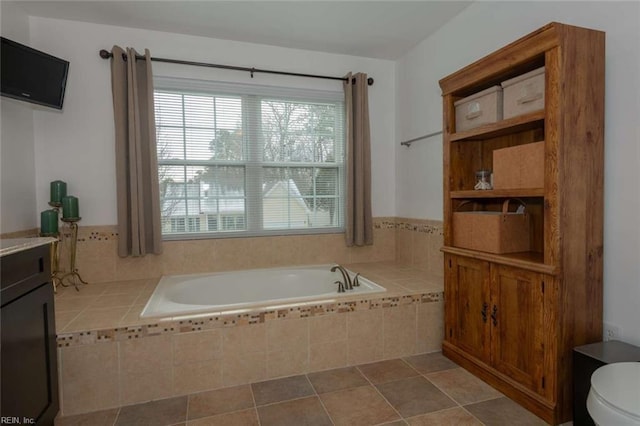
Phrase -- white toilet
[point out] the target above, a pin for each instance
(614, 398)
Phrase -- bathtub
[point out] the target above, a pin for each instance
(186, 295)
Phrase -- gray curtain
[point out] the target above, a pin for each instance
(139, 229)
(359, 223)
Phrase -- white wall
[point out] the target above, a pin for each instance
(486, 26)
(77, 146)
(17, 166)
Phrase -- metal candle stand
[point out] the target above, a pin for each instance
(72, 276)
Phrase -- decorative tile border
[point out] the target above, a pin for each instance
(420, 225)
(415, 225)
(232, 320)
(109, 232)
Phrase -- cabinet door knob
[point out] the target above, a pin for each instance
(485, 307)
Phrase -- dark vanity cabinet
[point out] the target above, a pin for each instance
(28, 352)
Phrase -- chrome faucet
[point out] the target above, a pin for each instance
(348, 284)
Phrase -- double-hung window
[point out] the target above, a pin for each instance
(248, 160)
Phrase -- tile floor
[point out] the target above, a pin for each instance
(425, 389)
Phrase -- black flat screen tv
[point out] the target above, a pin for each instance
(31, 75)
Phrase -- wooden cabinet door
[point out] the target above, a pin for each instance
(517, 325)
(467, 305)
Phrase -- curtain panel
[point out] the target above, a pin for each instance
(358, 221)
(138, 196)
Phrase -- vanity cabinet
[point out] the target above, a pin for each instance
(28, 361)
(513, 318)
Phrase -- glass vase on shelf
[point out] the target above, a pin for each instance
(483, 180)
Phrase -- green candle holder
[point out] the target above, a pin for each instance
(68, 204)
(72, 277)
(58, 191)
(70, 209)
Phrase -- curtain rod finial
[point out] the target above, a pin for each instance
(370, 81)
(105, 54)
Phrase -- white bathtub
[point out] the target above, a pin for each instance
(182, 295)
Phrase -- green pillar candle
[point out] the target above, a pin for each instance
(49, 222)
(70, 207)
(58, 191)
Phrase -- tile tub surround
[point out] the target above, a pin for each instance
(418, 243)
(104, 347)
(413, 242)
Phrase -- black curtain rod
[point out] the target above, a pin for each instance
(105, 54)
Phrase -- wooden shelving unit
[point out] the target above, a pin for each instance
(513, 319)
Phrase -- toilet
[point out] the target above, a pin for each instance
(614, 398)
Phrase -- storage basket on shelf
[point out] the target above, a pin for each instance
(519, 166)
(480, 108)
(493, 231)
(523, 94)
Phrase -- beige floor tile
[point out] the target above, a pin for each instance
(338, 379)
(238, 418)
(462, 386)
(503, 412)
(450, 417)
(386, 371)
(213, 403)
(360, 406)
(306, 411)
(430, 362)
(414, 396)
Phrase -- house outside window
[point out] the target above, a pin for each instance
(248, 160)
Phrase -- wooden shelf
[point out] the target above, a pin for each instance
(499, 193)
(501, 128)
(549, 299)
(531, 261)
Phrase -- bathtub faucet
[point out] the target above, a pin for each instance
(348, 285)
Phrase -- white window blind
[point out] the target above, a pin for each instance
(238, 160)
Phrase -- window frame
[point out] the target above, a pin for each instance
(252, 153)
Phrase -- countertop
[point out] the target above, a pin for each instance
(15, 245)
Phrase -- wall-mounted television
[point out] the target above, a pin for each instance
(31, 75)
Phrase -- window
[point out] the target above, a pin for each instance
(248, 160)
